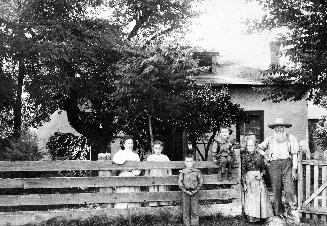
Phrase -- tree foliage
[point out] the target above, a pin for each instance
(152, 19)
(24, 148)
(320, 133)
(158, 94)
(304, 44)
(111, 72)
(212, 108)
(64, 56)
(150, 88)
(320, 129)
(67, 146)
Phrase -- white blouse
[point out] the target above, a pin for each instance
(158, 172)
(126, 155)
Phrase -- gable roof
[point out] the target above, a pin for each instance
(230, 72)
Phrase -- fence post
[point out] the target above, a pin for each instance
(324, 192)
(300, 179)
(107, 173)
(308, 181)
(238, 187)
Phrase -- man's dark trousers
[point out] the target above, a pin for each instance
(280, 172)
(190, 209)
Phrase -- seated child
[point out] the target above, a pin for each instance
(157, 156)
(223, 153)
(190, 181)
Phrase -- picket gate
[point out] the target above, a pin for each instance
(312, 187)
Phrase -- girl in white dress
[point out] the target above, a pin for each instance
(123, 155)
(157, 156)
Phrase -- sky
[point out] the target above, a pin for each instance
(221, 28)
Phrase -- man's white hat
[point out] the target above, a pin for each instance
(279, 122)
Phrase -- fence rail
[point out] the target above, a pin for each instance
(34, 190)
(71, 182)
(68, 165)
(103, 198)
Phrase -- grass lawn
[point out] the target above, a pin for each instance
(150, 220)
(147, 220)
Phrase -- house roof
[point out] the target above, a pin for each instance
(230, 72)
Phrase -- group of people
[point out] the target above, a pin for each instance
(277, 154)
(190, 179)
(127, 154)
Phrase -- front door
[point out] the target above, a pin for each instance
(254, 127)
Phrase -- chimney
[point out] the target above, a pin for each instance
(274, 52)
(207, 59)
(215, 61)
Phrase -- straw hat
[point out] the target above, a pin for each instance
(279, 122)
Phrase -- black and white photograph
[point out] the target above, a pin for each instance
(163, 112)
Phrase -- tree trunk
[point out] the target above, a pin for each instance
(1, 63)
(211, 139)
(198, 151)
(99, 136)
(18, 102)
(185, 143)
(150, 129)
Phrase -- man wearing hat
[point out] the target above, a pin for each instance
(281, 151)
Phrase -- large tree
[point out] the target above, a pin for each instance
(304, 44)
(113, 74)
(157, 95)
(64, 56)
(15, 52)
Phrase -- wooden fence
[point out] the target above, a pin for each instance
(312, 187)
(94, 194)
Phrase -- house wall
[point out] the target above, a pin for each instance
(295, 112)
(58, 123)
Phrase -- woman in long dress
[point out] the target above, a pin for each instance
(157, 156)
(123, 155)
(257, 205)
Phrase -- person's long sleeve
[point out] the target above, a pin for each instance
(190, 179)
(200, 181)
(294, 150)
(181, 182)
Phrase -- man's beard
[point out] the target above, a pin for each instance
(280, 137)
